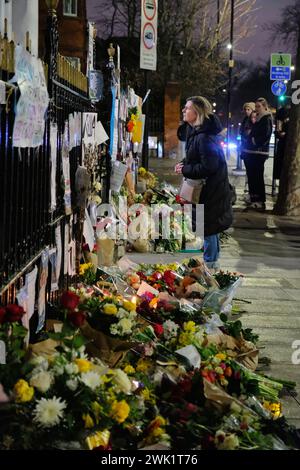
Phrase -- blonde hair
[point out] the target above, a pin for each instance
(264, 102)
(250, 105)
(202, 107)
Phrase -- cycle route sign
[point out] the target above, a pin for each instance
(280, 66)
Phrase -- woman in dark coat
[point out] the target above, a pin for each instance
(205, 160)
(257, 152)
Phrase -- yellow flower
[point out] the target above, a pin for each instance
(83, 365)
(129, 306)
(274, 408)
(110, 309)
(190, 327)
(129, 370)
(157, 432)
(221, 356)
(142, 171)
(23, 392)
(100, 438)
(184, 339)
(146, 394)
(120, 411)
(88, 421)
(143, 365)
(84, 267)
(97, 410)
(159, 421)
(153, 303)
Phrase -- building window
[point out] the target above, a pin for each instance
(70, 7)
(75, 61)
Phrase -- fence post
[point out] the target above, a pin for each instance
(51, 43)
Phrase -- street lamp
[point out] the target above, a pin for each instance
(230, 67)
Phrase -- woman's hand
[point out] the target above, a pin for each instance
(178, 168)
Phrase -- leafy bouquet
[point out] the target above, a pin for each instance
(67, 401)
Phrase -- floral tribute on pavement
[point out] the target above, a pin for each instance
(145, 356)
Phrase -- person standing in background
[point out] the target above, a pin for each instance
(256, 152)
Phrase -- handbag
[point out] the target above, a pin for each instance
(190, 190)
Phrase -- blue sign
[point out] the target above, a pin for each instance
(278, 88)
(280, 73)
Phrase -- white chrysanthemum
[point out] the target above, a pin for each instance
(71, 368)
(122, 313)
(72, 384)
(42, 381)
(91, 379)
(122, 381)
(49, 412)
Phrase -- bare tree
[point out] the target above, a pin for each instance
(191, 44)
(288, 202)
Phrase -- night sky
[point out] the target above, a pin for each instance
(269, 11)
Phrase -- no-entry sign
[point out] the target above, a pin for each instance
(148, 52)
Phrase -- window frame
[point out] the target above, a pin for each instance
(73, 15)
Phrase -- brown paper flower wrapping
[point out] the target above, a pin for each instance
(241, 350)
(108, 349)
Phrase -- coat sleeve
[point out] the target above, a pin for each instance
(207, 165)
(265, 132)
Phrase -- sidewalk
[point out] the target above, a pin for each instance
(266, 249)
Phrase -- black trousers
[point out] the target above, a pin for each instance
(255, 167)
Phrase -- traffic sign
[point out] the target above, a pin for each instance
(148, 43)
(278, 88)
(149, 7)
(281, 66)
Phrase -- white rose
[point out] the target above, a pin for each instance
(72, 384)
(126, 325)
(71, 368)
(122, 381)
(40, 362)
(41, 381)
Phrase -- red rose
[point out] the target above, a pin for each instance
(142, 275)
(14, 313)
(159, 329)
(169, 277)
(77, 318)
(69, 300)
(191, 408)
(156, 276)
(2, 315)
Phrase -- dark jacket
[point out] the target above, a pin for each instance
(205, 159)
(260, 135)
(245, 131)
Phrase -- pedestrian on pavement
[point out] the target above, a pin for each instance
(246, 125)
(205, 160)
(256, 152)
